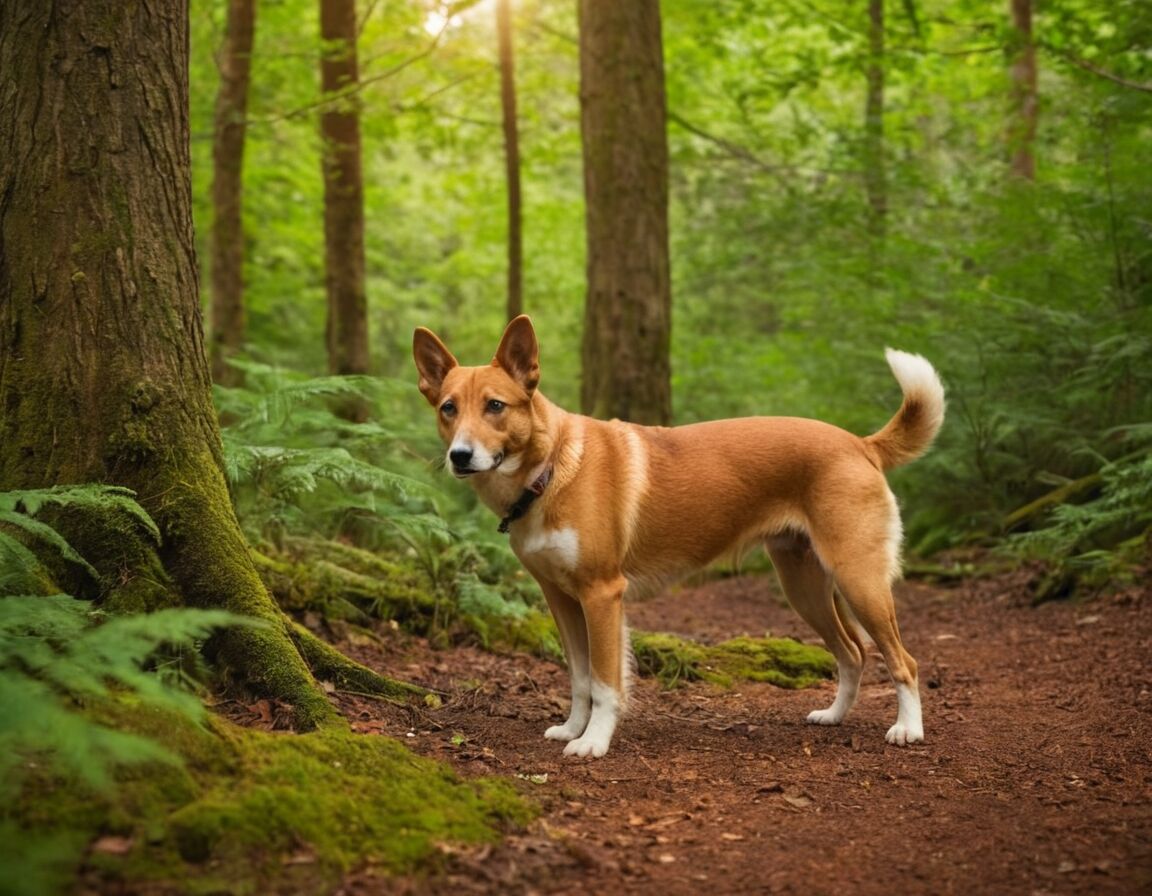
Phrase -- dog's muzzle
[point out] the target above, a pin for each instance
(464, 462)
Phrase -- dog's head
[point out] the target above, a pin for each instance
(484, 413)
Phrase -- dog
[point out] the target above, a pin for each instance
(599, 509)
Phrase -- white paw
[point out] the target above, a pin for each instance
(587, 746)
(567, 731)
(828, 716)
(902, 735)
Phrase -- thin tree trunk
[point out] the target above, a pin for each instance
(347, 330)
(103, 371)
(229, 325)
(1025, 95)
(511, 157)
(875, 173)
(627, 321)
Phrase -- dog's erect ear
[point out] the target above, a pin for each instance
(519, 354)
(433, 361)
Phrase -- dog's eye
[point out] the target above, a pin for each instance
(495, 406)
(448, 409)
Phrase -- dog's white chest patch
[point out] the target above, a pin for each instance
(559, 547)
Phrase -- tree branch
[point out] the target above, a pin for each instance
(1084, 65)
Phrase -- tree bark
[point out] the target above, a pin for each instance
(103, 371)
(627, 321)
(511, 157)
(875, 173)
(1025, 94)
(226, 264)
(347, 331)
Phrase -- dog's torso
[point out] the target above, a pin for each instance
(660, 502)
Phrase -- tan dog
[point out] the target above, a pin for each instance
(596, 509)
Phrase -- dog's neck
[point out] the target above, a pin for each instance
(535, 471)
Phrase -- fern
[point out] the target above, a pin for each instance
(56, 653)
(100, 498)
(295, 467)
(1090, 538)
(21, 570)
(44, 533)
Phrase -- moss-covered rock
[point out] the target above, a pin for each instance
(779, 661)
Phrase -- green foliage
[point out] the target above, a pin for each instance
(60, 658)
(295, 465)
(1094, 539)
(57, 654)
(21, 570)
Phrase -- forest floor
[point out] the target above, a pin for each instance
(1035, 778)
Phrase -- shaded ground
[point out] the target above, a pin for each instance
(1036, 777)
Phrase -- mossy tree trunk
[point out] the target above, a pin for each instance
(628, 317)
(103, 372)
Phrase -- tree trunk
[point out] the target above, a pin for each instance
(103, 371)
(347, 332)
(229, 326)
(1025, 96)
(627, 321)
(875, 175)
(511, 157)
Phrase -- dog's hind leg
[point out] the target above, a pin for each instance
(569, 616)
(603, 606)
(869, 596)
(808, 587)
(859, 543)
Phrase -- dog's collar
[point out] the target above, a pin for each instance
(520, 505)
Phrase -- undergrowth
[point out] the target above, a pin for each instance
(111, 767)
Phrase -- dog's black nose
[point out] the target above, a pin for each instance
(461, 458)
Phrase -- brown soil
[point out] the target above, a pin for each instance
(1036, 776)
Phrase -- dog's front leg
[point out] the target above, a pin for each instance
(603, 606)
(569, 616)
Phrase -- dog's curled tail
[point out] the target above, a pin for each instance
(908, 434)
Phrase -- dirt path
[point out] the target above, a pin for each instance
(1036, 777)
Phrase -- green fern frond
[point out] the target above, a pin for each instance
(290, 472)
(56, 652)
(45, 533)
(19, 567)
(101, 498)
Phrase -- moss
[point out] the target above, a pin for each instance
(251, 812)
(321, 574)
(533, 632)
(329, 664)
(779, 661)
